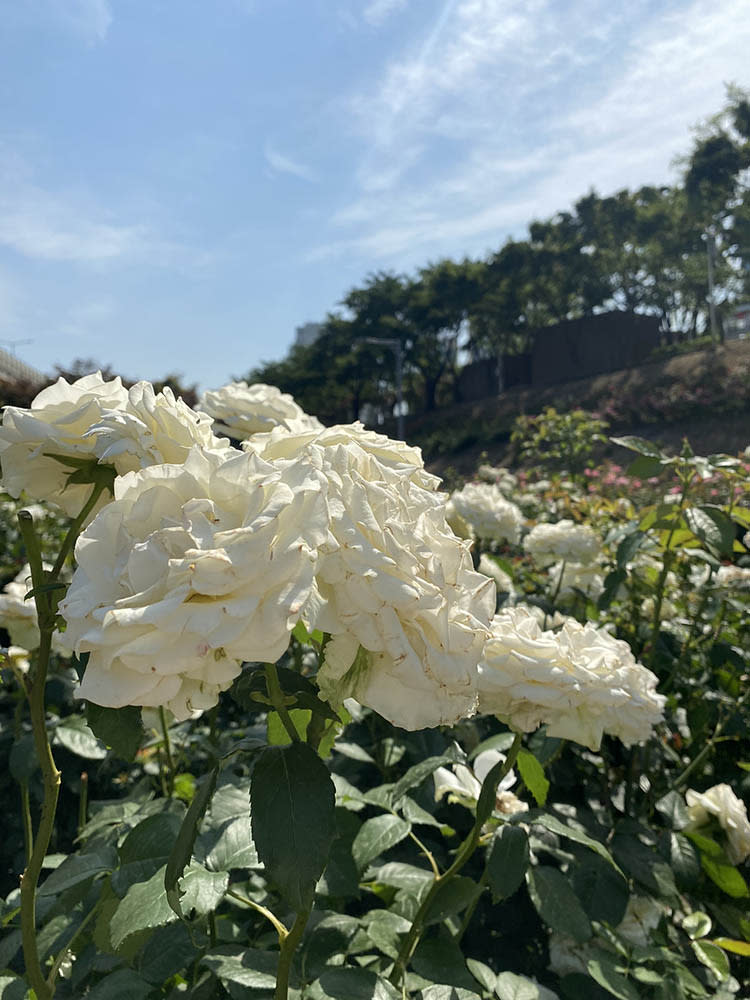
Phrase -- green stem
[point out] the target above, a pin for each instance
(288, 947)
(83, 802)
(277, 700)
(280, 929)
(61, 956)
(167, 751)
(28, 830)
(75, 528)
(463, 855)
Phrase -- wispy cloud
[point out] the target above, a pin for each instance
(88, 20)
(282, 164)
(378, 11)
(504, 112)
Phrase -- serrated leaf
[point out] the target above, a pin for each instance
(293, 819)
(441, 992)
(378, 835)
(121, 729)
(703, 527)
(124, 984)
(507, 861)
(73, 734)
(556, 903)
(482, 973)
(182, 851)
(201, 890)
(79, 868)
(151, 838)
(145, 905)
(248, 967)
(602, 891)
(532, 773)
(628, 548)
(417, 774)
(403, 876)
(230, 845)
(352, 984)
(452, 897)
(725, 875)
(554, 825)
(672, 807)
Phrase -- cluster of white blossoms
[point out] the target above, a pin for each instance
(240, 410)
(100, 421)
(487, 513)
(579, 681)
(208, 556)
(731, 812)
(190, 570)
(564, 540)
(395, 588)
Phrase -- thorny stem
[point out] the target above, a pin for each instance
(277, 700)
(463, 855)
(46, 601)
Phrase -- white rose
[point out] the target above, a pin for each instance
(564, 540)
(57, 423)
(580, 682)
(491, 516)
(731, 812)
(732, 578)
(567, 578)
(396, 589)
(463, 783)
(241, 410)
(189, 571)
(19, 618)
(151, 429)
(503, 478)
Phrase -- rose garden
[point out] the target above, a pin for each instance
(284, 719)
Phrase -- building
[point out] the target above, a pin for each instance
(12, 369)
(308, 334)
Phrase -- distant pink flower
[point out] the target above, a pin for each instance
(675, 489)
(636, 484)
(653, 480)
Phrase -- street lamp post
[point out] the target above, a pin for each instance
(398, 349)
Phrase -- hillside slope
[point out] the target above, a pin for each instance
(704, 395)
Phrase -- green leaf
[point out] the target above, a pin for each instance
(151, 838)
(509, 986)
(507, 861)
(725, 875)
(246, 967)
(713, 958)
(729, 944)
(145, 905)
(628, 548)
(553, 824)
(724, 525)
(639, 444)
(230, 845)
(556, 903)
(440, 992)
(644, 467)
(125, 984)
(672, 807)
(182, 851)
(276, 733)
(293, 820)
(202, 890)
(417, 774)
(403, 876)
(697, 924)
(704, 527)
(73, 734)
(79, 868)
(440, 960)
(376, 836)
(602, 892)
(532, 773)
(605, 972)
(612, 583)
(482, 973)
(352, 984)
(385, 928)
(121, 729)
(452, 897)
(500, 741)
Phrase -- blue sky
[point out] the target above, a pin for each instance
(182, 182)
